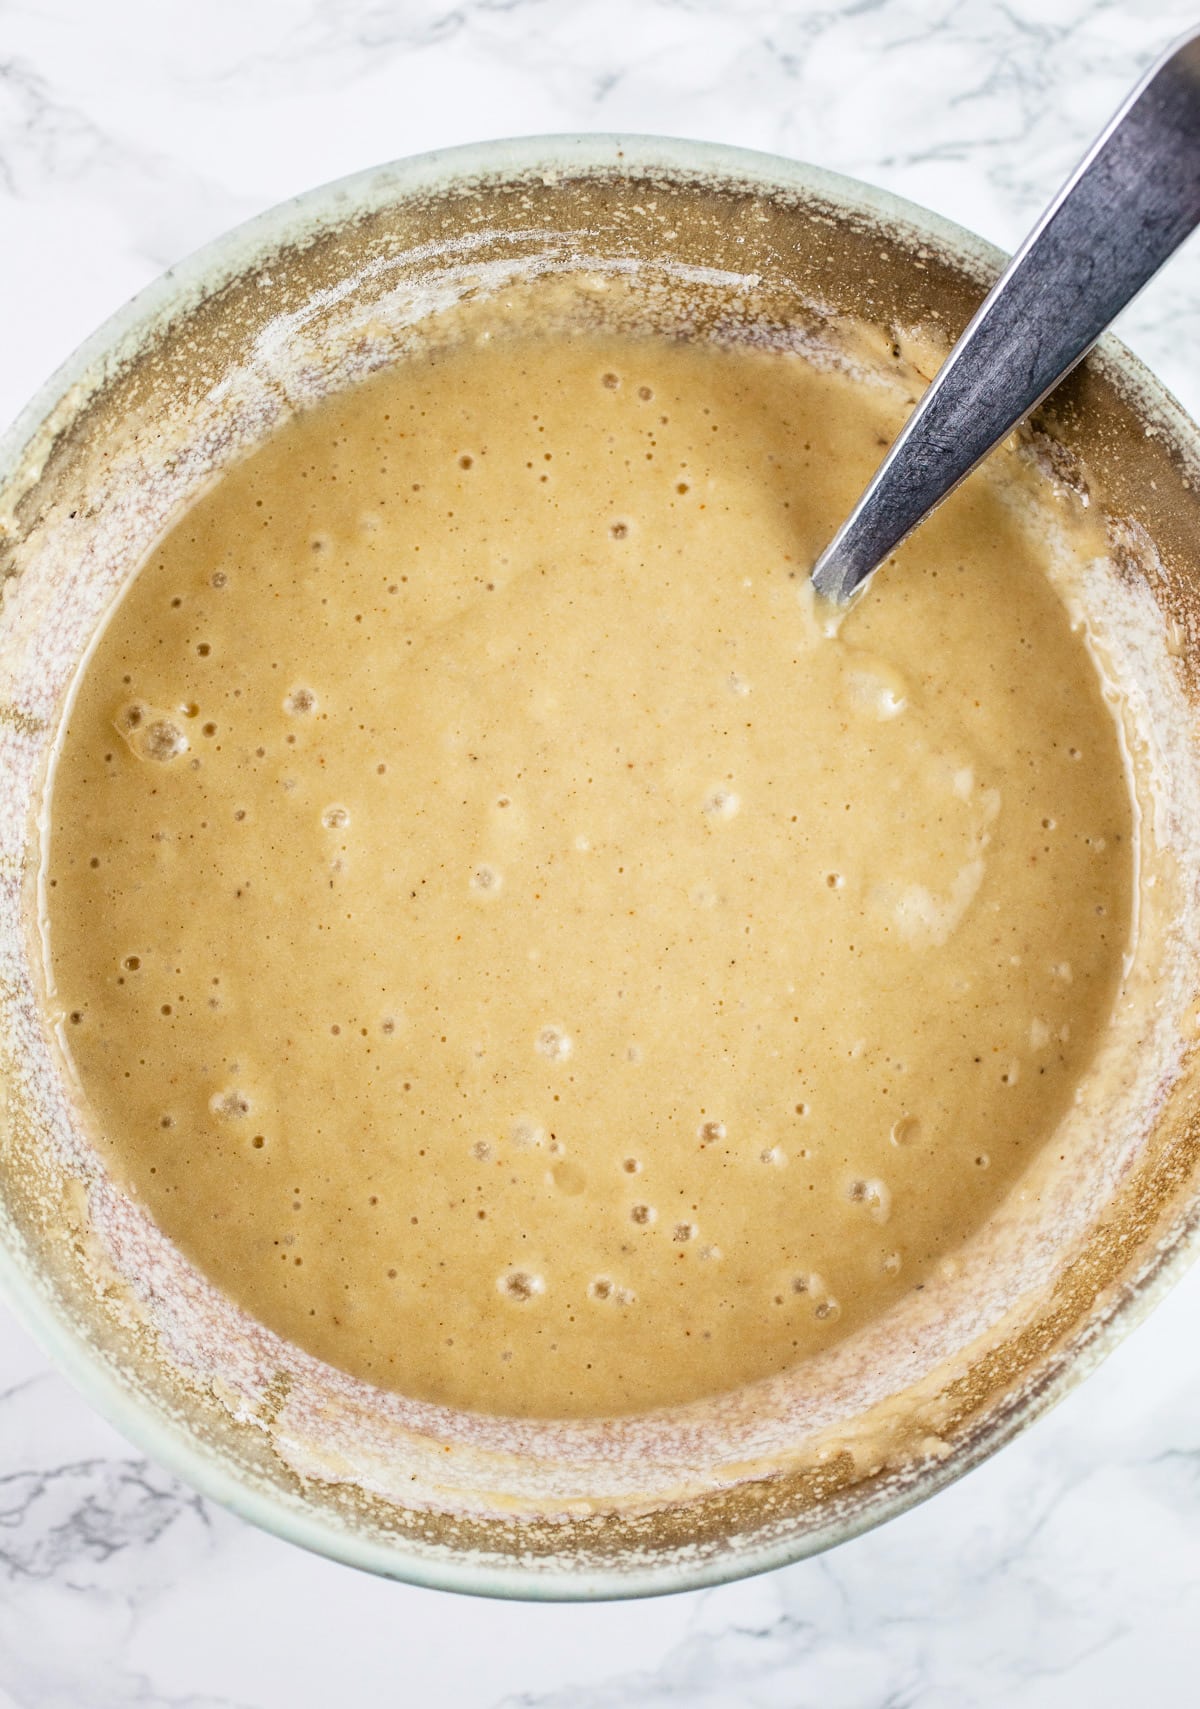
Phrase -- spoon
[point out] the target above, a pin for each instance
(1127, 207)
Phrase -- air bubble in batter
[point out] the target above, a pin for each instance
(149, 733)
(874, 1195)
(526, 1134)
(520, 1285)
(553, 1043)
(722, 803)
(906, 1130)
(232, 1104)
(485, 881)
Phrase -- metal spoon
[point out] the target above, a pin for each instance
(1129, 205)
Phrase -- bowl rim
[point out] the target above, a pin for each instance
(75, 381)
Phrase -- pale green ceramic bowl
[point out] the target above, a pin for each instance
(301, 301)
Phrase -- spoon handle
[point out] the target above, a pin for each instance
(1129, 205)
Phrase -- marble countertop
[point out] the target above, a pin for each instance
(1065, 1571)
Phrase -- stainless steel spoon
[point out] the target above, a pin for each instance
(1129, 205)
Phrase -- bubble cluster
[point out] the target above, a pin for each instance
(875, 1196)
(335, 818)
(520, 1285)
(553, 1043)
(711, 1132)
(150, 734)
(643, 1215)
(162, 740)
(683, 1232)
(300, 702)
(231, 1104)
(807, 1285)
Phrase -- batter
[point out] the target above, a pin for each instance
(513, 942)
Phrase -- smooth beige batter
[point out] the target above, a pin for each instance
(511, 945)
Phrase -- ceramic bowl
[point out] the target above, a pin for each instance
(197, 370)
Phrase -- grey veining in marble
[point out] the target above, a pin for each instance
(1064, 1572)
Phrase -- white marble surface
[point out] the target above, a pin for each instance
(1067, 1570)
